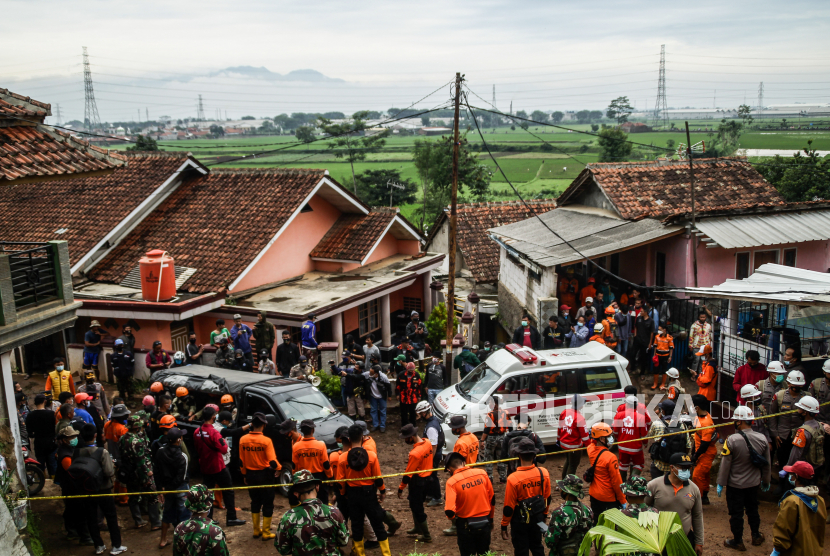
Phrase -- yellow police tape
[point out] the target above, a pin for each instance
(249, 487)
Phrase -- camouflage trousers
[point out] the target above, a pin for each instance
(491, 449)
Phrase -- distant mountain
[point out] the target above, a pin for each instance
(308, 75)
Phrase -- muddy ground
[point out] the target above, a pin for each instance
(393, 455)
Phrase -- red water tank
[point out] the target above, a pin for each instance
(158, 276)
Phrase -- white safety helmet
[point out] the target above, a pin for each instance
(776, 367)
(673, 373)
(422, 407)
(826, 366)
(749, 391)
(796, 378)
(808, 404)
(598, 327)
(179, 355)
(743, 413)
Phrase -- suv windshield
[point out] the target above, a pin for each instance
(476, 384)
(304, 403)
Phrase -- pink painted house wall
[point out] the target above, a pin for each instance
(717, 265)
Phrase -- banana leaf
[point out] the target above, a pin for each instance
(616, 533)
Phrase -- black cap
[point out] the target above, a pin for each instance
(667, 406)
(358, 458)
(224, 416)
(680, 460)
(452, 456)
(260, 418)
(175, 433)
(306, 426)
(408, 431)
(288, 425)
(156, 343)
(458, 421)
(523, 446)
(341, 433)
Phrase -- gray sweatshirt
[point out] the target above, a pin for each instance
(736, 468)
(686, 502)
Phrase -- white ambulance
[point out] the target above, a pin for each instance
(537, 386)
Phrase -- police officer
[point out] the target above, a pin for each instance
(820, 390)
(496, 425)
(467, 445)
(636, 490)
(420, 459)
(137, 468)
(808, 443)
(742, 477)
(435, 433)
(260, 467)
(783, 426)
(751, 397)
(199, 535)
(469, 501)
(570, 521)
(311, 454)
(772, 384)
(313, 527)
(526, 501)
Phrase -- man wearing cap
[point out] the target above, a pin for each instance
(802, 515)
(259, 467)
(742, 477)
(526, 501)
(782, 427)
(598, 335)
(605, 489)
(674, 492)
(750, 396)
(199, 535)
(136, 466)
(496, 424)
(751, 372)
(313, 527)
(419, 465)
(680, 442)
(636, 490)
(311, 454)
(808, 442)
(434, 432)
(570, 521)
(467, 445)
(241, 335)
(97, 394)
(629, 424)
(308, 341)
(171, 472)
(470, 504)
(82, 407)
(92, 345)
(73, 518)
(526, 334)
(212, 450)
(114, 429)
(157, 359)
(775, 381)
(224, 353)
(674, 388)
(553, 336)
(123, 366)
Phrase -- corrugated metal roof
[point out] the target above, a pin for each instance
(592, 235)
(773, 283)
(767, 229)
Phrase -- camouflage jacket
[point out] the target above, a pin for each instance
(135, 452)
(199, 536)
(313, 528)
(634, 511)
(145, 417)
(568, 522)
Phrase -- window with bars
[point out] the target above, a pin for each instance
(412, 304)
(368, 316)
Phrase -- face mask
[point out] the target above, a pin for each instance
(118, 349)
(340, 445)
(565, 315)
(610, 439)
(303, 365)
(787, 363)
(580, 324)
(90, 381)
(178, 361)
(616, 310)
(791, 478)
(684, 474)
(59, 367)
(524, 323)
(73, 441)
(193, 341)
(286, 340)
(779, 378)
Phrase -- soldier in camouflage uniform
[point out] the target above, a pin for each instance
(199, 535)
(135, 458)
(312, 527)
(636, 490)
(570, 521)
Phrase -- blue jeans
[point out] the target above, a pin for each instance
(378, 407)
(431, 395)
(343, 395)
(622, 347)
(174, 510)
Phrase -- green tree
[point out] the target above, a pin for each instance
(143, 143)
(595, 115)
(614, 145)
(619, 110)
(583, 116)
(594, 127)
(521, 114)
(373, 188)
(539, 116)
(217, 130)
(425, 121)
(803, 177)
(305, 133)
(725, 142)
(745, 114)
(248, 118)
(557, 117)
(437, 326)
(347, 141)
(670, 144)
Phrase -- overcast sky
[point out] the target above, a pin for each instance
(155, 55)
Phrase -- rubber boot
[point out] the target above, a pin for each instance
(392, 523)
(452, 531)
(425, 535)
(266, 529)
(357, 548)
(656, 381)
(255, 521)
(218, 501)
(414, 531)
(665, 379)
(384, 548)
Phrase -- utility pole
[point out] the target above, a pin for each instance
(453, 229)
(692, 190)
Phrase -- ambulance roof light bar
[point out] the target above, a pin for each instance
(521, 353)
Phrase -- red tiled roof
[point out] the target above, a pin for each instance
(13, 104)
(88, 208)
(353, 235)
(661, 189)
(216, 223)
(481, 254)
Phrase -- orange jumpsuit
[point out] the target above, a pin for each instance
(568, 288)
(706, 382)
(703, 465)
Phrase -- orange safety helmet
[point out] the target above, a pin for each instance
(227, 398)
(181, 392)
(156, 387)
(167, 422)
(600, 430)
(609, 310)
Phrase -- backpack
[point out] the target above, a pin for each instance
(588, 477)
(613, 329)
(86, 471)
(663, 449)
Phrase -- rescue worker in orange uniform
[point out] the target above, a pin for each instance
(569, 288)
(598, 335)
(466, 445)
(526, 501)
(311, 454)
(259, 466)
(587, 291)
(360, 488)
(605, 491)
(705, 447)
(420, 459)
(708, 372)
(114, 429)
(609, 328)
(630, 424)
(470, 502)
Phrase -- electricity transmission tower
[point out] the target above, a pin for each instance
(58, 116)
(91, 118)
(761, 97)
(494, 97)
(200, 116)
(661, 115)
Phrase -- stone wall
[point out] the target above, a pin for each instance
(11, 543)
